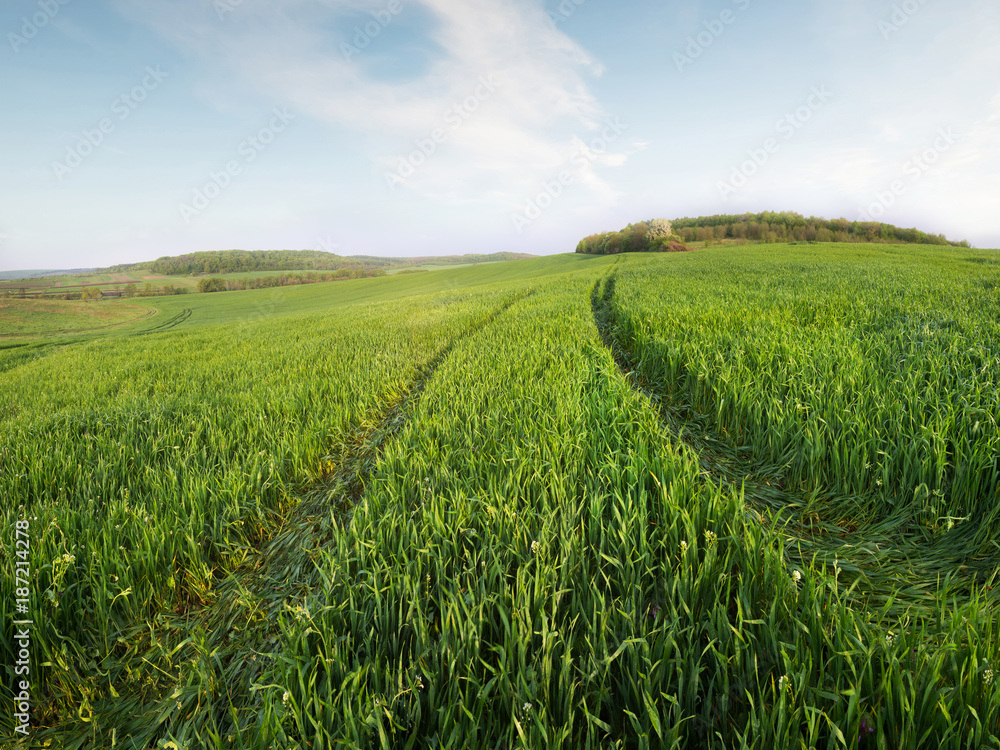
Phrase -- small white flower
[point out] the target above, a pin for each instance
(284, 698)
(684, 547)
(783, 684)
(711, 539)
(534, 547)
(889, 639)
(526, 707)
(796, 577)
(988, 677)
(420, 683)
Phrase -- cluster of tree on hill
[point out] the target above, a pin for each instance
(786, 226)
(218, 284)
(653, 236)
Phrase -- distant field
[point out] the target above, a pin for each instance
(253, 305)
(118, 280)
(63, 284)
(735, 497)
(439, 266)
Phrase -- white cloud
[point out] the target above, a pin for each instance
(891, 134)
(518, 134)
(994, 109)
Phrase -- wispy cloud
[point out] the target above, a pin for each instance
(527, 128)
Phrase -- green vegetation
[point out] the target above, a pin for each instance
(246, 261)
(144, 279)
(734, 497)
(242, 261)
(221, 284)
(213, 284)
(32, 317)
(787, 226)
(654, 236)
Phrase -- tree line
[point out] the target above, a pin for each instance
(246, 261)
(771, 226)
(219, 284)
(242, 261)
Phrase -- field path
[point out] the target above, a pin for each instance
(235, 637)
(879, 565)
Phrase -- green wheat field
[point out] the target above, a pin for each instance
(741, 497)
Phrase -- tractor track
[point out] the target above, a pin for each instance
(876, 564)
(236, 635)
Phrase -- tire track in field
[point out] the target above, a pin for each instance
(878, 563)
(235, 637)
(167, 324)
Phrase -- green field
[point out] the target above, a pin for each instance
(25, 318)
(118, 279)
(737, 497)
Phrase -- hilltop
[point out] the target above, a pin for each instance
(661, 235)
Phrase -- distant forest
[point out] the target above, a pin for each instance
(219, 284)
(770, 226)
(247, 261)
(244, 261)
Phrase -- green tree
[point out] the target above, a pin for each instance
(213, 284)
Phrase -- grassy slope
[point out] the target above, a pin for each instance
(42, 317)
(255, 304)
(432, 613)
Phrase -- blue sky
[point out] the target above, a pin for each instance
(139, 128)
